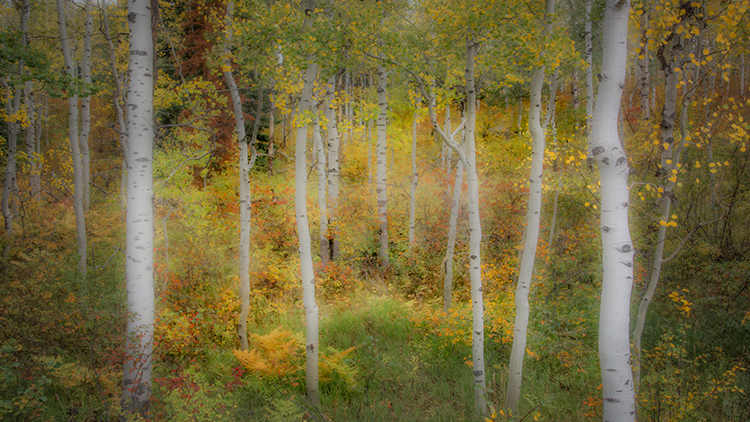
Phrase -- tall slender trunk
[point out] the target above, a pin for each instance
(303, 228)
(12, 105)
(31, 130)
(325, 249)
(78, 205)
(414, 180)
(382, 174)
(116, 98)
(333, 172)
(452, 228)
(589, 57)
(669, 61)
(533, 217)
(83, 139)
(139, 267)
(643, 63)
(245, 203)
(666, 204)
(447, 152)
(475, 236)
(617, 247)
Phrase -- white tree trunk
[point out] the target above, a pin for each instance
(139, 267)
(447, 152)
(452, 228)
(533, 216)
(245, 203)
(303, 229)
(468, 157)
(12, 106)
(666, 205)
(83, 139)
(589, 57)
(333, 171)
(116, 98)
(73, 138)
(643, 62)
(325, 251)
(617, 247)
(414, 180)
(31, 132)
(381, 170)
(669, 61)
(475, 237)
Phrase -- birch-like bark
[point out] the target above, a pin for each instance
(533, 216)
(31, 130)
(475, 236)
(333, 171)
(447, 152)
(468, 157)
(381, 169)
(83, 139)
(116, 98)
(12, 105)
(669, 61)
(617, 247)
(245, 203)
(414, 181)
(643, 63)
(666, 204)
(303, 228)
(325, 250)
(78, 205)
(139, 267)
(589, 57)
(452, 228)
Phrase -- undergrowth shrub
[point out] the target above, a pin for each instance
(280, 355)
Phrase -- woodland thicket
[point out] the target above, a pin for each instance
(382, 144)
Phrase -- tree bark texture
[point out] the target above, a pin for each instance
(78, 205)
(139, 267)
(303, 228)
(382, 169)
(617, 247)
(333, 171)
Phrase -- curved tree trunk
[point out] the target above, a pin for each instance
(533, 217)
(139, 267)
(617, 247)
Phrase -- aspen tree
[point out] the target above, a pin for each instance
(414, 179)
(617, 247)
(83, 139)
(333, 171)
(116, 100)
(589, 57)
(381, 176)
(325, 251)
(78, 205)
(531, 237)
(468, 157)
(303, 228)
(245, 202)
(139, 267)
